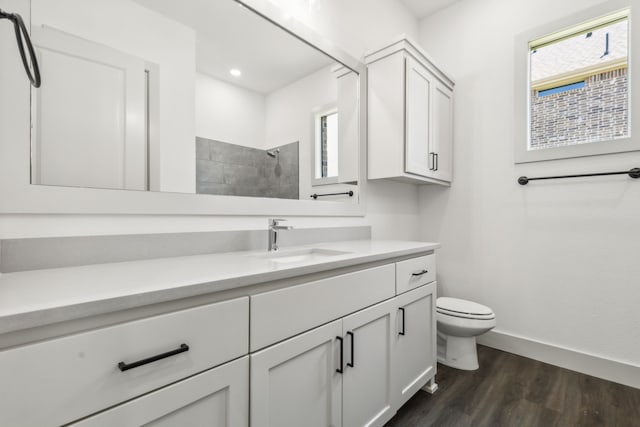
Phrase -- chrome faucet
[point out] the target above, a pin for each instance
(274, 227)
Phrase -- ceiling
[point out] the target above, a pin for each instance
(424, 8)
(268, 57)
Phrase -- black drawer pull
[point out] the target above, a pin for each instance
(353, 337)
(339, 370)
(403, 322)
(420, 273)
(126, 366)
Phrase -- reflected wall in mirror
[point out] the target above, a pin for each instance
(196, 96)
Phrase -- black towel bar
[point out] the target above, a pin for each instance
(346, 193)
(633, 173)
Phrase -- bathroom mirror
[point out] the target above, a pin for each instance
(198, 97)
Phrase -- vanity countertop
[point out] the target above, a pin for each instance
(40, 297)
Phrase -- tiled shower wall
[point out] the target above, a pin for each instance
(234, 170)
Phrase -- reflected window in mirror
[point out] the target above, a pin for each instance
(326, 147)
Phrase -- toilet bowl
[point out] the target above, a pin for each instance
(459, 323)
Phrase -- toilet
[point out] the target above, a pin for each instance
(459, 323)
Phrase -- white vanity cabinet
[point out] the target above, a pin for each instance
(216, 398)
(415, 342)
(337, 374)
(351, 369)
(341, 348)
(410, 116)
(369, 366)
(81, 374)
(296, 382)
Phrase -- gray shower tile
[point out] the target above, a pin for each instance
(202, 149)
(209, 171)
(214, 188)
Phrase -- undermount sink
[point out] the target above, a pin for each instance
(301, 255)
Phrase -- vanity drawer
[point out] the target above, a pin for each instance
(415, 272)
(58, 381)
(283, 313)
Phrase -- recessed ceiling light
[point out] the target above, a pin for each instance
(235, 72)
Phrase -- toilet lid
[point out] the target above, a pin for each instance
(461, 306)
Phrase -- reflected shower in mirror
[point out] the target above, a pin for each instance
(196, 96)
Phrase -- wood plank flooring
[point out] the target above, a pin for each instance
(510, 390)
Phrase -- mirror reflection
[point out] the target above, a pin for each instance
(195, 96)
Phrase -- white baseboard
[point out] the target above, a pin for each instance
(585, 363)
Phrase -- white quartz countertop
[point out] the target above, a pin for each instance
(36, 298)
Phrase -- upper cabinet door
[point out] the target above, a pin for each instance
(367, 389)
(419, 84)
(442, 131)
(295, 383)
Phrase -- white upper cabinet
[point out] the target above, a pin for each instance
(410, 116)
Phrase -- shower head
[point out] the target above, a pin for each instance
(273, 153)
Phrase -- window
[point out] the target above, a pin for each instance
(326, 147)
(578, 92)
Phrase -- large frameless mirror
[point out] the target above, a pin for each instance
(196, 96)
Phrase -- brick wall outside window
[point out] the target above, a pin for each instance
(597, 112)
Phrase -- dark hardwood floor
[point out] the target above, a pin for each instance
(510, 390)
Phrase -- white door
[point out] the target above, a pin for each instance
(442, 131)
(89, 116)
(415, 340)
(215, 398)
(369, 366)
(295, 383)
(419, 84)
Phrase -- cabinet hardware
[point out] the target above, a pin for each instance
(339, 370)
(350, 364)
(403, 322)
(432, 161)
(420, 273)
(437, 162)
(126, 366)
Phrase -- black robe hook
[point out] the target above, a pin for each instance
(22, 38)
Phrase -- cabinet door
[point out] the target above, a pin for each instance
(295, 383)
(218, 397)
(369, 366)
(415, 340)
(442, 131)
(419, 83)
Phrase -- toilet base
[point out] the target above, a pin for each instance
(457, 352)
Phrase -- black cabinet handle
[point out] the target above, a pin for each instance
(350, 364)
(339, 370)
(432, 161)
(437, 163)
(403, 322)
(420, 273)
(126, 366)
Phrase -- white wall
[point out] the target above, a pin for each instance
(557, 260)
(229, 113)
(392, 208)
(166, 43)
